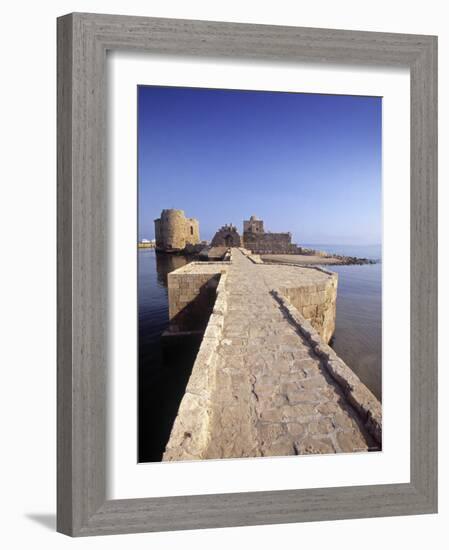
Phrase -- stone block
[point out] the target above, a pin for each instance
(296, 430)
(269, 432)
(281, 447)
(351, 442)
(310, 445)
(298, 412)
(322, 426)
(213, 331)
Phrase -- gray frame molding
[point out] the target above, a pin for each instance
(83, 40)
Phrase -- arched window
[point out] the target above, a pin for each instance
(191, 229)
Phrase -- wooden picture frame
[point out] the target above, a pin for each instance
(83, 40)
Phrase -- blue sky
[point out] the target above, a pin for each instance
(306, 163)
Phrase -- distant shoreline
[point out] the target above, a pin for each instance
(316, 259)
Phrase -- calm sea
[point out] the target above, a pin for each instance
(164, 372)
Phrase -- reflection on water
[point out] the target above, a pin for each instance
(163, 372)
(166, 263)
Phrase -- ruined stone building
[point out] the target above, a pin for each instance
(174, 232)
(227, 236)
(256, 239)
(253, 225)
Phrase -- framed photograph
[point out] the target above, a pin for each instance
(247, 282)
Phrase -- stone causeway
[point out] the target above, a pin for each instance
(265, 381)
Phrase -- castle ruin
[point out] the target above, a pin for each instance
(174, 232)
(227, 236)
(256, 239)
(253, 225)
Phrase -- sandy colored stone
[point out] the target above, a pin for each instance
(328, 407)
(322, 426)
(350, 442)
(295, 429)
(299, 411)
(280, 447)
(312, 383)
(270, 432)
(296, 396)
(309, 446)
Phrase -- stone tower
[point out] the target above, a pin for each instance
(253, 225)
(174, 231)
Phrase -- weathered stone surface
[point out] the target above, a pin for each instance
(312, 446)
(356, 393)
(296, 430)
(190, 436)
(322, 426)
(348, 442)
(328, 407)
(280, 447)
(270, 432)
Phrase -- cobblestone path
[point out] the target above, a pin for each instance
(273, 395)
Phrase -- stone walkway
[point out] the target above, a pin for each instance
(273, 396)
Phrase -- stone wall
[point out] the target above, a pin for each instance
(270, 243)
(227, 236)
(191, 295)
(253, 225)
(190, 434)
(255, 258)
(317, 303)
(256, 239)
(174, 231)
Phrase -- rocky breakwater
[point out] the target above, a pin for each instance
(337, 258)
